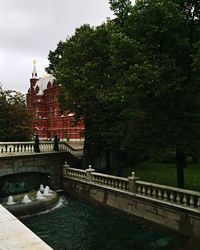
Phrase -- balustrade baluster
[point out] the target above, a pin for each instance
(160, 194)
(95, 179)
(198, 202)
(106, 182)
(171, 197)
(191, 201)
(144, 190)
(185, 200)
(178, 198)
(154, 193)
(149, 191)
(165, 196)
(139, 189)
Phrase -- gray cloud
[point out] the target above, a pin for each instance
(30, 28)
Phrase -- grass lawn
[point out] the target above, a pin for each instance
(165, 173)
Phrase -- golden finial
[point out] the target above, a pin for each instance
(45, 75)
(34, 62)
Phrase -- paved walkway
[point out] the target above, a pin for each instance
(76, 144)
(14, 235)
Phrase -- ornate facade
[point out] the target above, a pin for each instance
(48, 120)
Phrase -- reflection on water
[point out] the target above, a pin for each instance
(75, 225)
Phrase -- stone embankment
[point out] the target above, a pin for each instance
(175, 208)
(15, 235)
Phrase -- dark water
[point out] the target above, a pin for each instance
(76, 225)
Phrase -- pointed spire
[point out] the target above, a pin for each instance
(34, 74)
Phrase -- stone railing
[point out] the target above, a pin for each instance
(77, 174)
(110, 181)
(177, 196)
(16, 147)
(45, 146)
(77, 152)
(169, 195)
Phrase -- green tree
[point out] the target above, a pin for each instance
(164, 92)
(15, 120)
(122, 9)
(135, 79)
(92, 68)
(82, 70)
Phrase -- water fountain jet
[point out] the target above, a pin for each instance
(39, 195)
(10, 201)
(41, 188)
(26, 199)
(47, 191)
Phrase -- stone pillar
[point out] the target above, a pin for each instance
(88, 173)
(131, 182)
(65, 166)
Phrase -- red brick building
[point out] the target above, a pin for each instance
(42, 101)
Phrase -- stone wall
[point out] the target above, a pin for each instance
(48, 163)
(179, 219)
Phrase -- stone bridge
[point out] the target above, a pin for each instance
(19, 158)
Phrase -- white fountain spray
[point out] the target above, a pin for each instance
(47, 191)
(26, 199)
(41, 188)
(10, 200)
(39, 195)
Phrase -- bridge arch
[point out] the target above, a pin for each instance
(45, 163)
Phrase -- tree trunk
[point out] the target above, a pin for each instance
(195, 160)
(119, 165)
(108, 161)
(195, 157)
(180, 164)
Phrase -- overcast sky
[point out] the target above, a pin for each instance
(30, 28)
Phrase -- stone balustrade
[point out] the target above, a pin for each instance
(16, 147)
(77, 174)
(161, 193)
(172, 195)
(45, 146)
(63, 146)
(110, 181)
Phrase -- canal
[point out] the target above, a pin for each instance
(75, 225)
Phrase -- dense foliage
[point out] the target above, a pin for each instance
(15, 120)
(135, 79)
